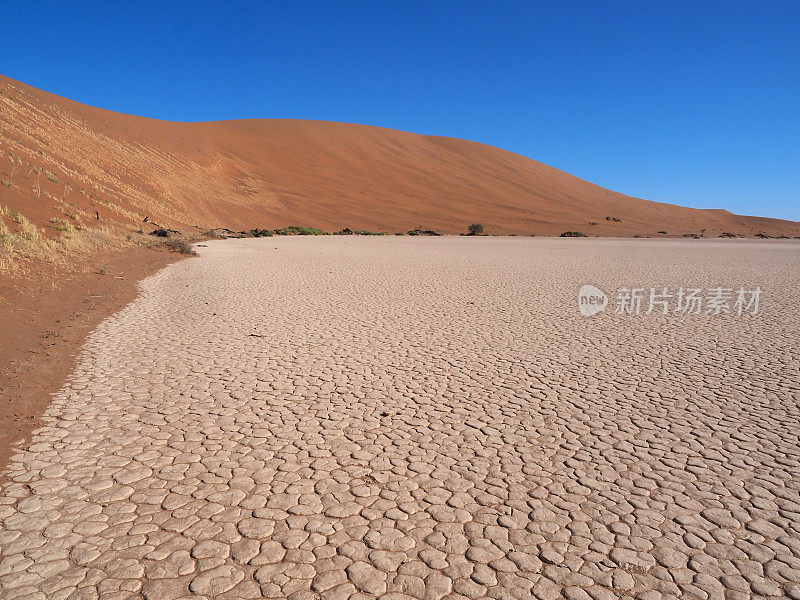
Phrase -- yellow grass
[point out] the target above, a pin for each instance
(17, 248)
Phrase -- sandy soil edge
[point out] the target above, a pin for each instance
(45, 317)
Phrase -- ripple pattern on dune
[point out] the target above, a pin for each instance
(406, 418)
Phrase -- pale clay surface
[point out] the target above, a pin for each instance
(421, 418)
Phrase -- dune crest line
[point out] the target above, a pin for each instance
(118, 170)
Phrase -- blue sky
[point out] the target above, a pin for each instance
(693, 103)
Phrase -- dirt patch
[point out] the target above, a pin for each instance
(45, 317)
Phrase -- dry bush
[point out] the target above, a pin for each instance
(181, 246)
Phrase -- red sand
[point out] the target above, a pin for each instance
(273, 173)
(45, 316)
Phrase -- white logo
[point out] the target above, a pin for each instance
(591, 300)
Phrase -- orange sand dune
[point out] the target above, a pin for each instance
(272, 173)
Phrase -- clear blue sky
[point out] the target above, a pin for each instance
(694, 103)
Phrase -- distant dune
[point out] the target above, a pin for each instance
(270, 173)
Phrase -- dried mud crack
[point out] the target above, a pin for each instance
(421, 418)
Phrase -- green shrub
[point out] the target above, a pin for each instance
(261, 233)
(297, 230)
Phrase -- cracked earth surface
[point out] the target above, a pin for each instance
(421, 418)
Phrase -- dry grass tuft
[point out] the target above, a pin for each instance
(18, 248)
(27, 230)
(181, 246)
(27, 242)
